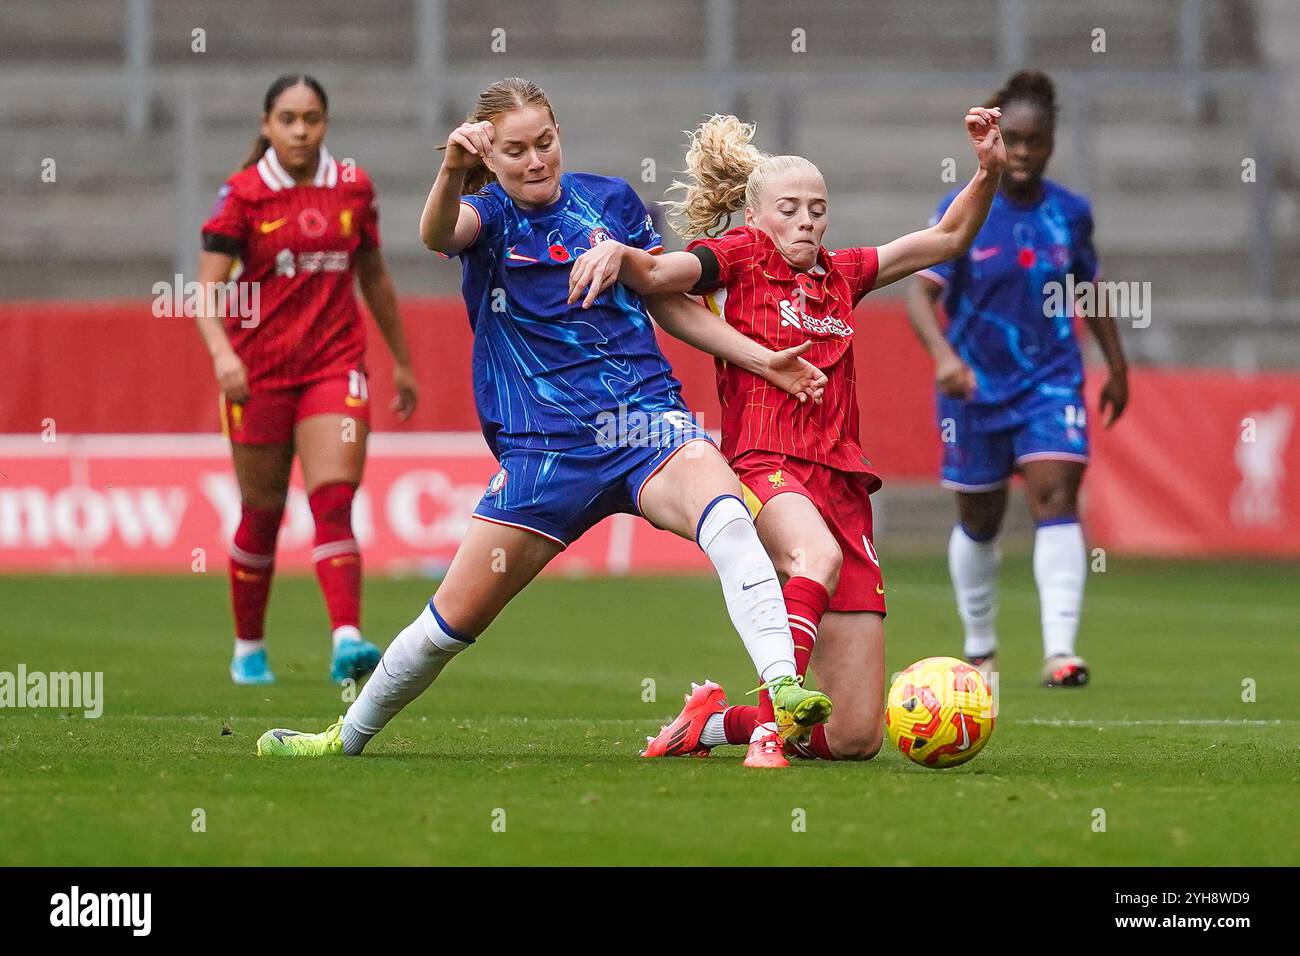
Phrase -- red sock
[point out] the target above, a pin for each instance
(338, 560)
(805, 601)
(252, 564)
(815, 747)
(738, 723)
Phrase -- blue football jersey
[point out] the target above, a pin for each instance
(547, 374)
(1006, 319)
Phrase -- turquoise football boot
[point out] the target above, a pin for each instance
(353, 658)
(251, 669)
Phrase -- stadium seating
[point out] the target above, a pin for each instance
(1164, 172)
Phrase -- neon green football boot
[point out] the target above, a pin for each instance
(294, 743)
(798, 710)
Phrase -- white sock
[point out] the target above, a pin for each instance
(412, 662)
(345, 632)
(1060, 566)
(974, 569)
(244, 648)
(749, 585)
(713, 734)
(761, 731)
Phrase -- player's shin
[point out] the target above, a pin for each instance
(973, 564)
(252, 565)
(1060, 568)
(814, 748)
(806, 601)
(412, 662)
(749, 585)
(337, 557)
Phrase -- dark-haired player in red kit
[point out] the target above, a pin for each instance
(803, 471)
(292, 373)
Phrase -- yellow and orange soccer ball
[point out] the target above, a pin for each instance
(940, 712)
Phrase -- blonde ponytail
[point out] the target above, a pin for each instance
(719, 161)
(727, 173)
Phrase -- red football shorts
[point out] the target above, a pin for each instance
(269, 414)
(844, 502)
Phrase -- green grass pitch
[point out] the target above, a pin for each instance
(538, 727)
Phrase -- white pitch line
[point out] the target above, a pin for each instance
(1103, 601)
(1181, 722)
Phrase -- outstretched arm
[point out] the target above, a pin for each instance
(695, 325)
(952, 235)
(610, 261)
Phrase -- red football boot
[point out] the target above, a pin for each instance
(766, 752)
(681, 738)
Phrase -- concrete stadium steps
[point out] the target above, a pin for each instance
(870, 155)
(1171, 208)
(121, 226)
(256, 34)
(959, 34)
(35, 98)
(962, 34)
(578, 30)
(59, 31)
(1143, 236)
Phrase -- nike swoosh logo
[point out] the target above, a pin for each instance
(281, 734)
(746, 587)
(979, 255)
(965, 735)
(272, 226)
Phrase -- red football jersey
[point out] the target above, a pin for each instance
(760, 294)
(299, 244)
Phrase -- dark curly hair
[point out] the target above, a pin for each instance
(1028, 86)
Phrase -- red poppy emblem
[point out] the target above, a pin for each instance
(559, 253)
(809, 286)
(311, 222)
(1027, 258)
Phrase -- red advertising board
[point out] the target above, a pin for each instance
(169, 503)
(115, 368)
(1203, 462)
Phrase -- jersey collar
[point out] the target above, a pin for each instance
(276, 178)
(813, 282)
(542, 212)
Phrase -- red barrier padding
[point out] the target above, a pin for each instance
(112, 367)
(1203, 462)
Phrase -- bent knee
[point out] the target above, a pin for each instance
(821, 562)
(862, 745)
(1054, 501)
